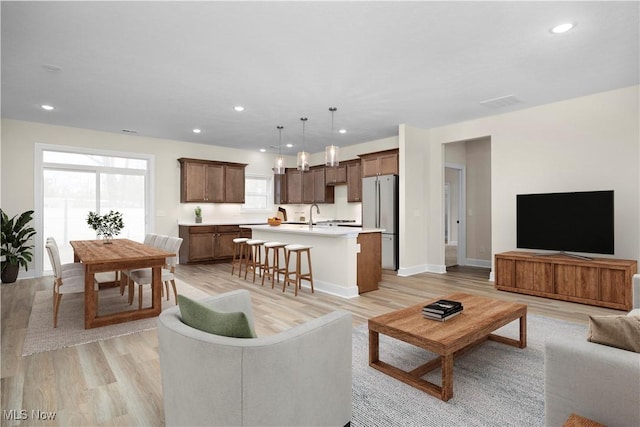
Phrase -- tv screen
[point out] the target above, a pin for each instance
(568, 222)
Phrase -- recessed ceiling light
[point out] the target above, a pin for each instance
(289, 145)
(262, 150)
(342, 131)
(47, 107)
(196, 130)
(562, 28)
(238, 108)
(51, 67)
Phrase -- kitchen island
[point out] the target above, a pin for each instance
(346, 261)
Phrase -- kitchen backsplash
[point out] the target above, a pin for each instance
(227, 212)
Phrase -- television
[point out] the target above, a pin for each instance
(566, 222)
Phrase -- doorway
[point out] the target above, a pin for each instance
(455, 233)
(467, 208)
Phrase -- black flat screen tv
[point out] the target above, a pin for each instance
(566, 222)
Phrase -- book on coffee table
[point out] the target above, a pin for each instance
(442, 306)
(442, 317)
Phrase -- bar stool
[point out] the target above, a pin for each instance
(255, 251)
(298, 276)
(273, 270)
(238, 253)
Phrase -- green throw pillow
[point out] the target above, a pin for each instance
(201, 317)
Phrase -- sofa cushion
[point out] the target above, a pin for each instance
(201, 317)
(616, 331)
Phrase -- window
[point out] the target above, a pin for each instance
(72, 181)
(257, 193)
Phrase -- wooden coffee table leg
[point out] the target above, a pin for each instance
(374, 347)
(523, 331)
(447, 377)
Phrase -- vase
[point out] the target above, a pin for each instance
(10, 273)
(198, 220)
(107, 239)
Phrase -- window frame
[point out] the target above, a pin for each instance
(269, 194)
(40, 165)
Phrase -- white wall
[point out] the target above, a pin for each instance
(581, 144)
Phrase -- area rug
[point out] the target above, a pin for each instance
(42, 336)
(494, 384)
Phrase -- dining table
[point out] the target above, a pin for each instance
(118, 255)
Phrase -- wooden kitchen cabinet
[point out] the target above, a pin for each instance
(197, 243)
(320, 191)
(308, 187)
(354, 181)
(224, 241)
(280, 189)
(380, 163)
(369, 261)
(207, 181)
(234, 183)
(294, 186)
(336, 175)
(601, 282)
(208, 243)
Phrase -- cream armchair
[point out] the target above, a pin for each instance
(298, 377)
(595, 381)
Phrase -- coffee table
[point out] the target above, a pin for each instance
(480, 317)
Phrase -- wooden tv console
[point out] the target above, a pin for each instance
(602, 282)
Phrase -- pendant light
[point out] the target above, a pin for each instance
(303, 156)
(332, 152)
(278, 165)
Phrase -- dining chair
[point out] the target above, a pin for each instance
(64, 283)
(144, 276)
(149, 240)
(67, 269)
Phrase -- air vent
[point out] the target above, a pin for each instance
(501, 102)
(129, 131)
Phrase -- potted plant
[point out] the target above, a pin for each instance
(16, 252)
(198, 213)
(107, 225)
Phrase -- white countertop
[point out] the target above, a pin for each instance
(229, 222)
(317, 230)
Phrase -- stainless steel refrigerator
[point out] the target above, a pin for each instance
(380, 210)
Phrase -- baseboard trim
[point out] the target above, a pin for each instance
(424, 268)
(332, 289)
(410, 271)
(478, 263)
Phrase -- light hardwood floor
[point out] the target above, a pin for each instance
(117, 381)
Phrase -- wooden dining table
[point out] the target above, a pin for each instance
(119, 255)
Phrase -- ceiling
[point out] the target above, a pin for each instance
(161, 69)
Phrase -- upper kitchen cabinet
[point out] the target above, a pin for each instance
(308, 187)
(315, 189)
(336, 175)
(380, 163)
(354, 181)
(294, 186)
(207, 181)
(280, 189)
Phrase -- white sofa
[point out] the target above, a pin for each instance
(595, 381)
(298, 377)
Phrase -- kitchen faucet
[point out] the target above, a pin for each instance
(311, 215)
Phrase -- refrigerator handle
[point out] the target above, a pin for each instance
(377, 203)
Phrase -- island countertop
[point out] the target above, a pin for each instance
(317, 230)
(346, 260)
